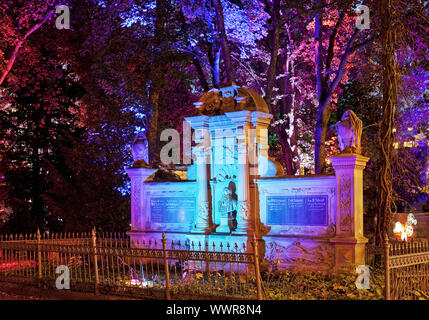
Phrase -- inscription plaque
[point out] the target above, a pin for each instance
(172, 209)
(307, 210)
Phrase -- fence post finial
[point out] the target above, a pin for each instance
(94, 250)
(257, 271)
(386, 267)
(166, 267)
(39, 259)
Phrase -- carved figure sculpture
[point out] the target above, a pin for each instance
(228, 205)
(349, 131)
(140, 150)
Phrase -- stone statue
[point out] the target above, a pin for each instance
(228, 205)
(140, 150)
(349, 131)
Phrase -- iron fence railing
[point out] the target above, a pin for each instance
(406, 269)
(112, 263)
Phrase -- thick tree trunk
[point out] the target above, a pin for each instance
(288, 163)
(286, 132)
(323, 116)
(384, 174)
(153, 127)
(286, 105)
(326, 88)
(201, 75)
(156, 75)
(272, 68)
(220, 28)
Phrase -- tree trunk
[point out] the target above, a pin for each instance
(286, 132)
(156, 75)
(201, 75)
(220, 28)
(390, 98)
(326, 88)
(323, 116)
(323, 112)
(272, 68)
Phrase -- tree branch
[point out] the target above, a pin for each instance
(319, 53)
(342, 66)
(332, 37)
(18, 46)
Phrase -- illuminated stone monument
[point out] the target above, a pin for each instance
(233, 190)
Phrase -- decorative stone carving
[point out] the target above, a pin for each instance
(331, 230)
(202, 220)
(227, 173)
(346, 255)
(229, 99)
(297, 254)
(345, 204)
(228, 202)
(243, 209)
(203, 209)
(136, 203)
(140, 150)
(349, 131)
(228, 210)
(139, 216)
(243, 212)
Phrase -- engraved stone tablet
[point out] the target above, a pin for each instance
(172, 209)
(311, 210)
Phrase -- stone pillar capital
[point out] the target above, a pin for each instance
(240, 117)
(140, 173)
(349, 161)
(261, 118)
(198, 122)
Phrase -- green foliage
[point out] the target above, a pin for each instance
(317, 285)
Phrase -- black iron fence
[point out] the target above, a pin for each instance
(112, 263)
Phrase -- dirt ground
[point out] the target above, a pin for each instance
(10, 291)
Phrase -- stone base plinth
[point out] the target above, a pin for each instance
(349, 251)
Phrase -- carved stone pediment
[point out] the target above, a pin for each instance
(229, 99)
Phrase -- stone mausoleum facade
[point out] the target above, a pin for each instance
(233, 190)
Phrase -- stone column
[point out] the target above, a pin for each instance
(242, 120)
(259, 163)
(349, 240)
(139, 213)
(261, 122)
(202, 217)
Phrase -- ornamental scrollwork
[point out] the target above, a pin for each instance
(345, 204)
